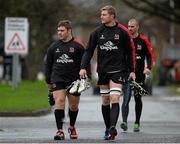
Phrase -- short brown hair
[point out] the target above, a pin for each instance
(111, 10)
(65, 23)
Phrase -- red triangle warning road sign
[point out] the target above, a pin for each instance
(16, 43)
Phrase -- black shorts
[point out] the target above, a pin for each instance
(63, 85)
(60, 85)
(118, 77)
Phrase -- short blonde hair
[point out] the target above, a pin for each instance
(111, 10)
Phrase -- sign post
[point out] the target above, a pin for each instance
(16, 44)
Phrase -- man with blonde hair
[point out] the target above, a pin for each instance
(116, 54)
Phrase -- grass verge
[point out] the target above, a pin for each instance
(28, 97)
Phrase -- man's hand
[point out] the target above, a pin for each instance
(146, 71)
(50, 95)
(83, 73)
(49, 86)
(51, 99)
(132, 76)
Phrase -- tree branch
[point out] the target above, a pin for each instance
(158, 9)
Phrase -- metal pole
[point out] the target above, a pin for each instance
(15, 71)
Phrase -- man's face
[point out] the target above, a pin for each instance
(106, 17)
(63, 33)
(133, 27)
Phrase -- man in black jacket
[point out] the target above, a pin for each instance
(61, 69)
(116, 54)
(144, 52)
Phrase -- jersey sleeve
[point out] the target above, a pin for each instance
(130, 50)
(149, 52)
(48, 61)
(92, 43)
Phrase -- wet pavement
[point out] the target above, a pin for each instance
(160, 123)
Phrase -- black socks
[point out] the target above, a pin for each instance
(73, 116)
(138, 108)
(106, 115)
(114, 114)
(59, 116)
(110, 115)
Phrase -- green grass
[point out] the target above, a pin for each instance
(29, 96)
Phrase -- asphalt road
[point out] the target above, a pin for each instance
(160, 123)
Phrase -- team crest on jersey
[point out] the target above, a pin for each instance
(71, 49)
(116, 36)
(57, 50)
(102, 37)
(139, 47)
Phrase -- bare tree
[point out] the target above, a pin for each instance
(43, 16)
(159, 8)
